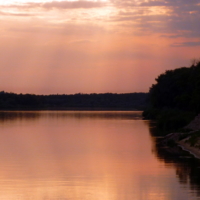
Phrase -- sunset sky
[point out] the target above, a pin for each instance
(94, 46)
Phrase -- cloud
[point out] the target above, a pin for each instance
(73, 4)
(15, 14)
(172, 18)
(60, 5)
(172, 36)
(186, 44)
(169, 18)
(173, 3)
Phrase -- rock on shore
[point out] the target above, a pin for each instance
(189, 140)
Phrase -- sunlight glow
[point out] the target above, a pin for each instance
(10, 2)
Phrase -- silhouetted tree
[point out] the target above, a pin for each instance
(175, 97)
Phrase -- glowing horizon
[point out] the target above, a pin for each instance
(94, 46)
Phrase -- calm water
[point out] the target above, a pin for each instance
(89, 155)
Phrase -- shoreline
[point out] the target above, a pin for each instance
(173, 140)
(194, 125)
(190, 143)
(192, 150)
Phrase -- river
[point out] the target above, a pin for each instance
(89, 155)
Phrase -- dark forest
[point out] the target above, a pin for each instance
(175, 97)
(106, 101)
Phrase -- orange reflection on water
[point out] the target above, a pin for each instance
(80, 158)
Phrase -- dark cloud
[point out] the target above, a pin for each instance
(172, 3)
(172, 18)
(186, 44)
(172, 36)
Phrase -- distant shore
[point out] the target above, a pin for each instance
(104, 101)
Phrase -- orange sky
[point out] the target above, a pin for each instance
(94, 46)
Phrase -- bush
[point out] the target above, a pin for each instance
(174, 119)
(150, 113)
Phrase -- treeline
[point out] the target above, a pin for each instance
(175, 98)
(107, 101)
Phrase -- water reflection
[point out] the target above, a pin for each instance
(18, 115)
(98, 114)
(30, 115)
(187, 166)
(84, 156)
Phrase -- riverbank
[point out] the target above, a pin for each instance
(188, 140)
(192, 150)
